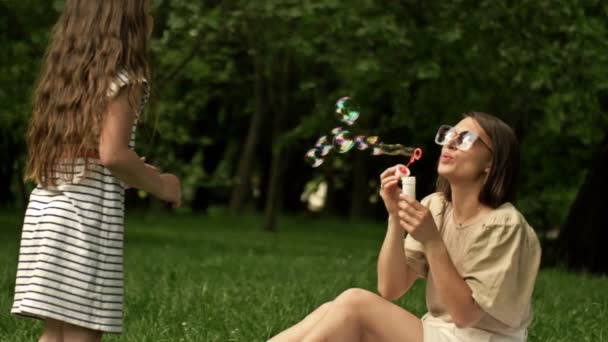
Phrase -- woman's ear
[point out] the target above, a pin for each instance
(486, 171)
(488, 167)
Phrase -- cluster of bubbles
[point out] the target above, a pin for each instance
(343, 140)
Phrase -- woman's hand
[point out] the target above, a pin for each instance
(389, 190)
(417, 220)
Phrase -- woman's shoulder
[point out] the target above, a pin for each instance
(507, 220)
(434, 198)
(506, 215)
(435, 202)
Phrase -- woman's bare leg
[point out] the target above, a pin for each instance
(298, 331)
(74, 333)
(360, 315)
(52, 331)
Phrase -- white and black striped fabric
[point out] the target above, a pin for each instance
(71, 256)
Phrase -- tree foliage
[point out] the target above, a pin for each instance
(243, 88)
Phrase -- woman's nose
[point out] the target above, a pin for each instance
(453, 143)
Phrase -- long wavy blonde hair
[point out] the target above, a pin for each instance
(92, 41)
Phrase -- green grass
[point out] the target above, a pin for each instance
(199, 278)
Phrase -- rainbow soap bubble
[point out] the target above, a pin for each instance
(323, 146)
(343, 141)
(345, 111)
(314, 158)
(392, 150)
(361, 143)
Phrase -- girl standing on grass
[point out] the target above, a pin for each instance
(89, 96)
(478, 254)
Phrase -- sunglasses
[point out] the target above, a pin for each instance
(462, 140)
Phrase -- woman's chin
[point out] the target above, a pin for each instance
(445, 171)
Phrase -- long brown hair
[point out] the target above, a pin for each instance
(92, 41)
(500, 186)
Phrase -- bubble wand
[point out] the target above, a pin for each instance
(408, 182)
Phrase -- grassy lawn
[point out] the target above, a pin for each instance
(199, 278)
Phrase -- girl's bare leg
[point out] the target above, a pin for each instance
(52, 331)
(74, 333)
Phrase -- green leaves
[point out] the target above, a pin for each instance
(411, 65)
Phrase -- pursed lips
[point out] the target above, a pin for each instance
(446, 157)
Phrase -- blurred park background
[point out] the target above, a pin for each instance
(242, 89)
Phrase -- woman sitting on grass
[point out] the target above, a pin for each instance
(478, 254)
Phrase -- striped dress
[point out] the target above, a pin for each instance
(71, 256)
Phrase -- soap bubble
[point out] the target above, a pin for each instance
(344, 141)
(345, 111)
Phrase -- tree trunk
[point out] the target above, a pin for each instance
(359, 189)
(273, 200)
(581, 244)
(6, 171)
(23, 191)
(278, 163)
(241, 182)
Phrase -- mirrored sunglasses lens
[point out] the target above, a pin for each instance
(444, 135)
(466, 140)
